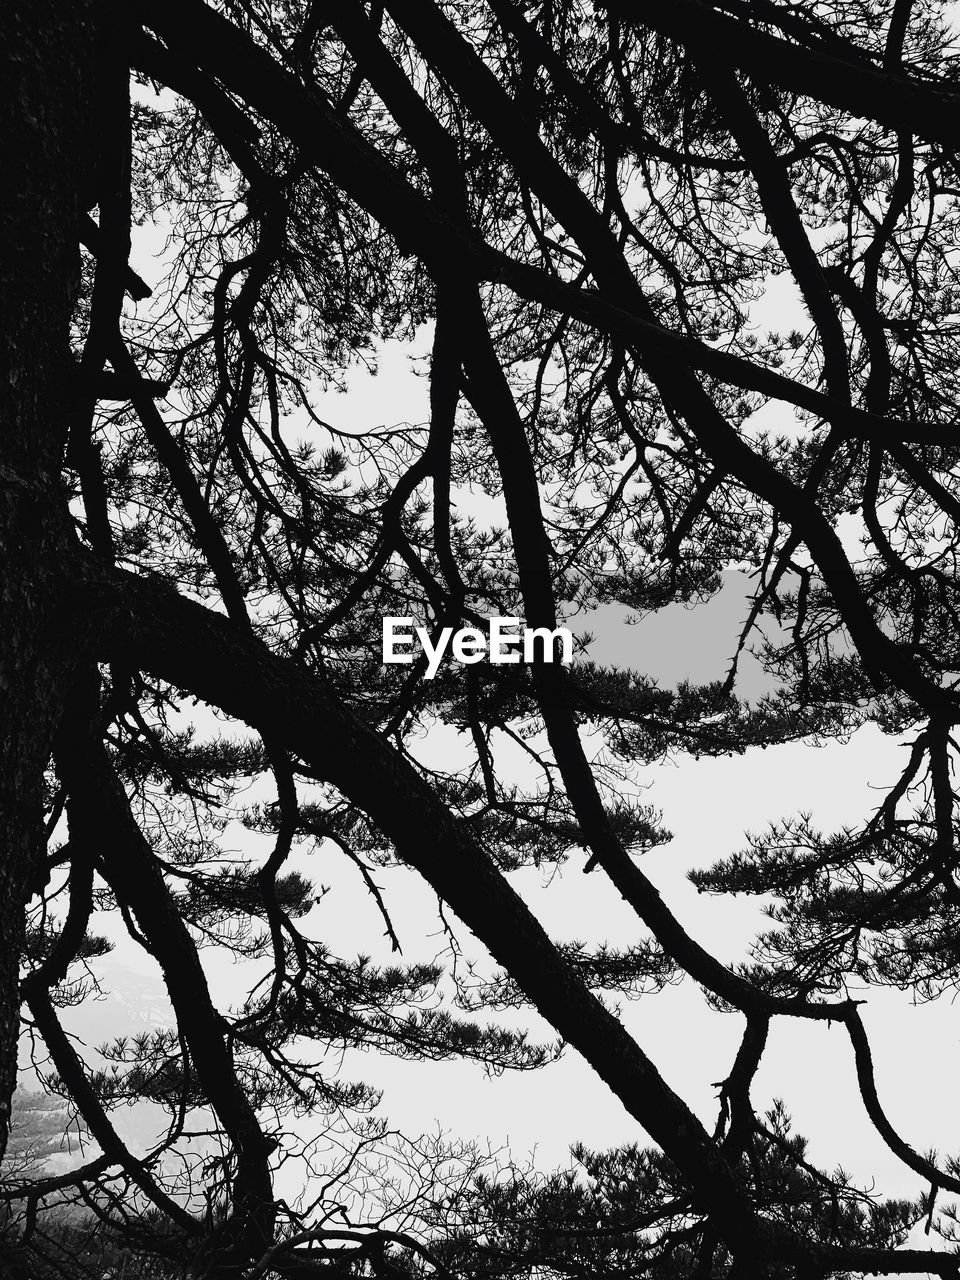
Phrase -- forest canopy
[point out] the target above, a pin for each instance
(688, 278)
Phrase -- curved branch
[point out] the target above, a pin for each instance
(776, 198)
(871, 1100)
(99, 811)
(68, 1064)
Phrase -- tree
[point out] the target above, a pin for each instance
(585, 202)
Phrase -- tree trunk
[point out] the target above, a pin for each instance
(46, 56)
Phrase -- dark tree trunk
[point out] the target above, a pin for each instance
(46, 56)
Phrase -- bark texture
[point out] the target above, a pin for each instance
(46, 53)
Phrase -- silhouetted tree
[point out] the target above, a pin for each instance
(587, 203)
